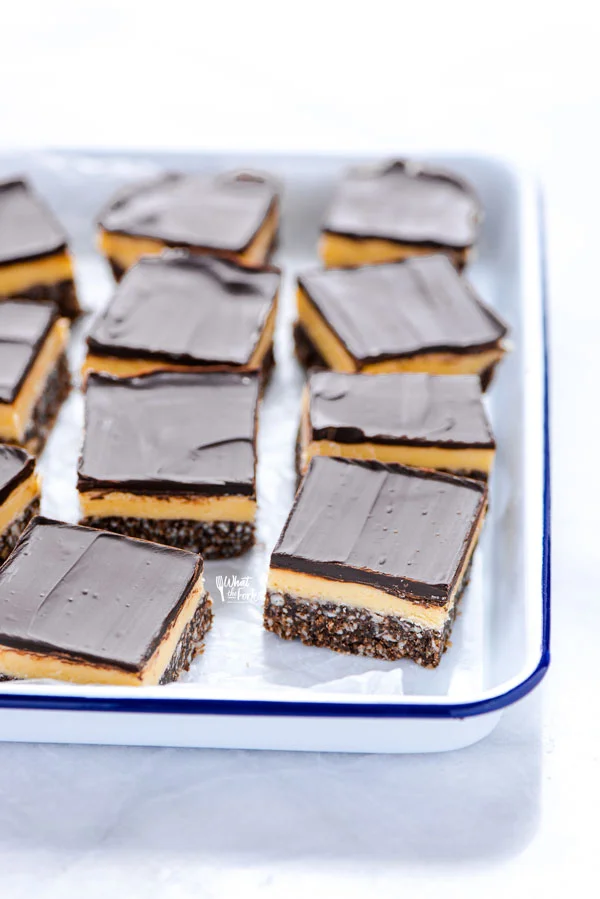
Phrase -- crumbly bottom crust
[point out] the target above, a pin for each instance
(190, 643)
(213, 539)
(308, 356)
(63, 293)
(357, 631)
(45, 412)
(10, 537)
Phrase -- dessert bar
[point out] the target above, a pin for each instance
(19, 495)
(393, 210)
(419, 316)
(171, 457)
(181, 312)
(34, 374)
(90, 607)
(373, 559)
(232, 215)
(428, 421)
(34, 257)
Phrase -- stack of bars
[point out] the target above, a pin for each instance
(394, 447)
(394, 450)
(175, 369)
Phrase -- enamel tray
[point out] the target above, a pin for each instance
(249, 689)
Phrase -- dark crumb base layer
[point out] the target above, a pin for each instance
(10, 537)
(309, 357)
(63, 293)
(190, 642)
(57, 389)
(357, 631)
(215, 540)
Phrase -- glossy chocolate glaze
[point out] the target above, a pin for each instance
(402, 309)
(405, 202)
(90, 595)
(15, 467)
(24, 325)
(187, 310)
(405, 531)
(416, 409)
(171, 434)
(222, 212)
(28, 229)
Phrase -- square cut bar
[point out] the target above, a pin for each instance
(416, 316)
(233, 215)
(19, 495)
(427, 421)
(86, 606)
(34, 256)
(171, 457)
(180, 312)
(391, 211)
(34, 373)
(373, 559)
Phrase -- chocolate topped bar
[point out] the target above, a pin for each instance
(408, 203)
(24, 326)
(171, 434)
(85, 605)
(187, 310)
(234, 215)
(430, 421)
(15, 467)
(214, 212)
(418, 315)
(405, 531)
(374, 559)
(34, 257)
(402, 309)
(19, 495)
(171, 457)
(28, 229)
(420, 409)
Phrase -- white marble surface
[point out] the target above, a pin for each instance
(514, 812)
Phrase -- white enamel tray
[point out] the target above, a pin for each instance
(250, 689)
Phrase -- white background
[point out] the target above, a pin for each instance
(518, 812)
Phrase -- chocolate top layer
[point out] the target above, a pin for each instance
(405, 531)
(418, 409)
(24, 326)
(91, 595)
(15, 467)
(222, 212)
(170, 433)
(405, 202)
(28, 229)
(402, 309)
(187, 310)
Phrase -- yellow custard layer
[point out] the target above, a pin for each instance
(437, 457)
(21, 664)
(15, 416)
(125, 250)
(337, 251)
(320, 589)
(338, 358)
(100, 504)
(23, 494)
(120, 367)
(20, 276)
